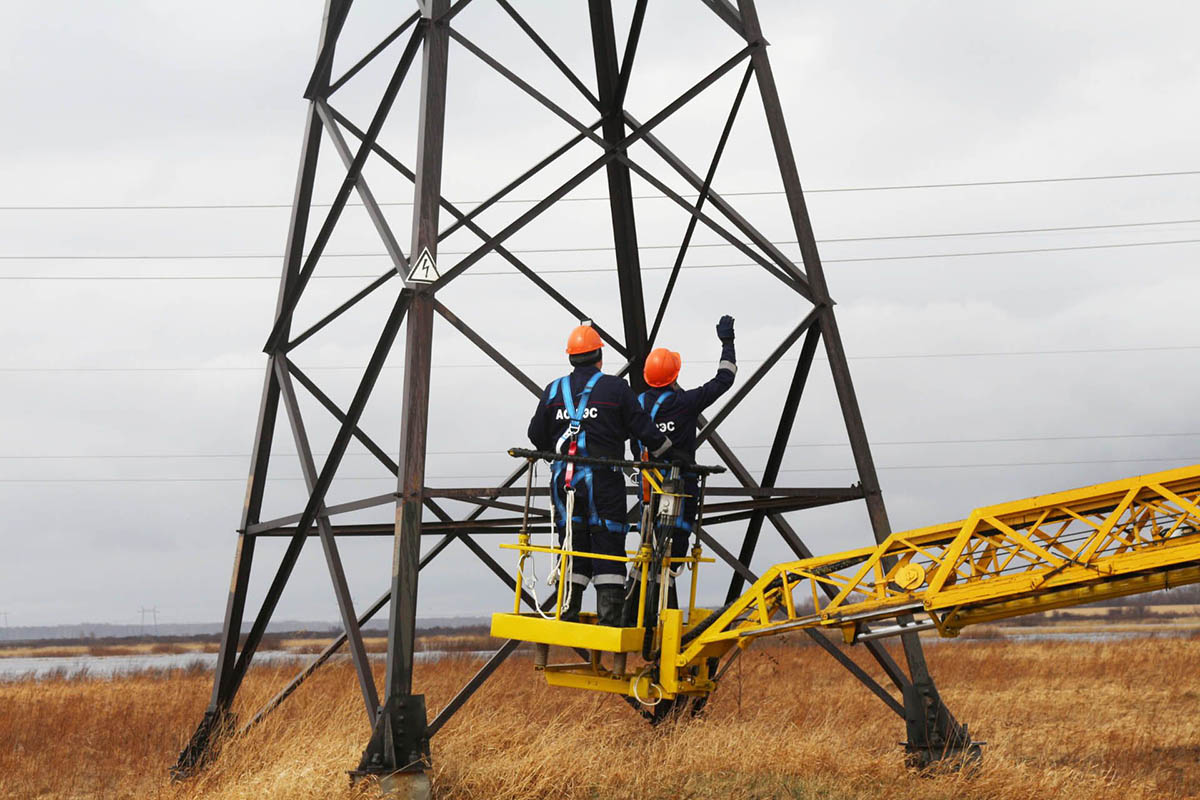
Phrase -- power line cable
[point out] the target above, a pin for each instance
(830, 190)
(498, 450)
(1003, 232)
(607, 248)
(1011, 252)
(276, 256)
(488, 365)
(574, 271)
(498, 476)
(1186, 459)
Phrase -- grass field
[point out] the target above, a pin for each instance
(1110, 720)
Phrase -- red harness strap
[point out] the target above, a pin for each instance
(645, 483)
(570, 473)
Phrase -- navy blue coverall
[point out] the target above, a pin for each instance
(608, 414)
(675, 413)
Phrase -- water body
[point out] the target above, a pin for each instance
(111, 666)
(1094, 636)
(1068, 636)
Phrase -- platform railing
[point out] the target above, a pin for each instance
(640, 558)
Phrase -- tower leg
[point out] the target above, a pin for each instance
(227, 678)
(924, 709)
(398, 751)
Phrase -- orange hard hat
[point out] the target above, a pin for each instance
(583, 339)
(662, 367)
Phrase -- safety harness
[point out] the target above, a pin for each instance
(575, 476)
(680, 522)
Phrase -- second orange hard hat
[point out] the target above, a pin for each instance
(662, 367)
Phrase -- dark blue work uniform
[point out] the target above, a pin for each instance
(607, 414)
(675, 413)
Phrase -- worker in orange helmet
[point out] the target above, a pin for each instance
(675, 412)
(589, 413)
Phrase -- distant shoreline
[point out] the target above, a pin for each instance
(444, 638)
(474, 634)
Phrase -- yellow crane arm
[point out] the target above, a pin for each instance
(1128, 536)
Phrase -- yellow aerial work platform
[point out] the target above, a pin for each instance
(544, 629)
(1134, 535)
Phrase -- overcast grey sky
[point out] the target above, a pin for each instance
(129, 401)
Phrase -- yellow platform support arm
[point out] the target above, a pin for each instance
(1068, 548)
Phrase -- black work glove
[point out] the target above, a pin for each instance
(725, 329)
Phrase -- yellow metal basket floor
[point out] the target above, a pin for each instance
(586, 634)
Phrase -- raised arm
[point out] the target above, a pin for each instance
(707, 394)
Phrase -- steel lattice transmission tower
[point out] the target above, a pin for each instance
(399, 726)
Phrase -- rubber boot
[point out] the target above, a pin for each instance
(574, 604)
(629, 601)
(609, 602)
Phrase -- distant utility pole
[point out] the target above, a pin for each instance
(5, 615)
(153, 612)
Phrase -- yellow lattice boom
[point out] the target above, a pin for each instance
(1128, 536)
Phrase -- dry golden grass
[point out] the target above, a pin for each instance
(136, 649)
(1113, 721)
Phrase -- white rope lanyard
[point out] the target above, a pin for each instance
(566, 561)
(562, 564)
(530, 579)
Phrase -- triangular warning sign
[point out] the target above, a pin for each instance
(424, 269)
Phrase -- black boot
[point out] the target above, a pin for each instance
(571, 608)
(629, 601)
(609, 602)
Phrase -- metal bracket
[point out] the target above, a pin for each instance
(400, 741)
(934, 736)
